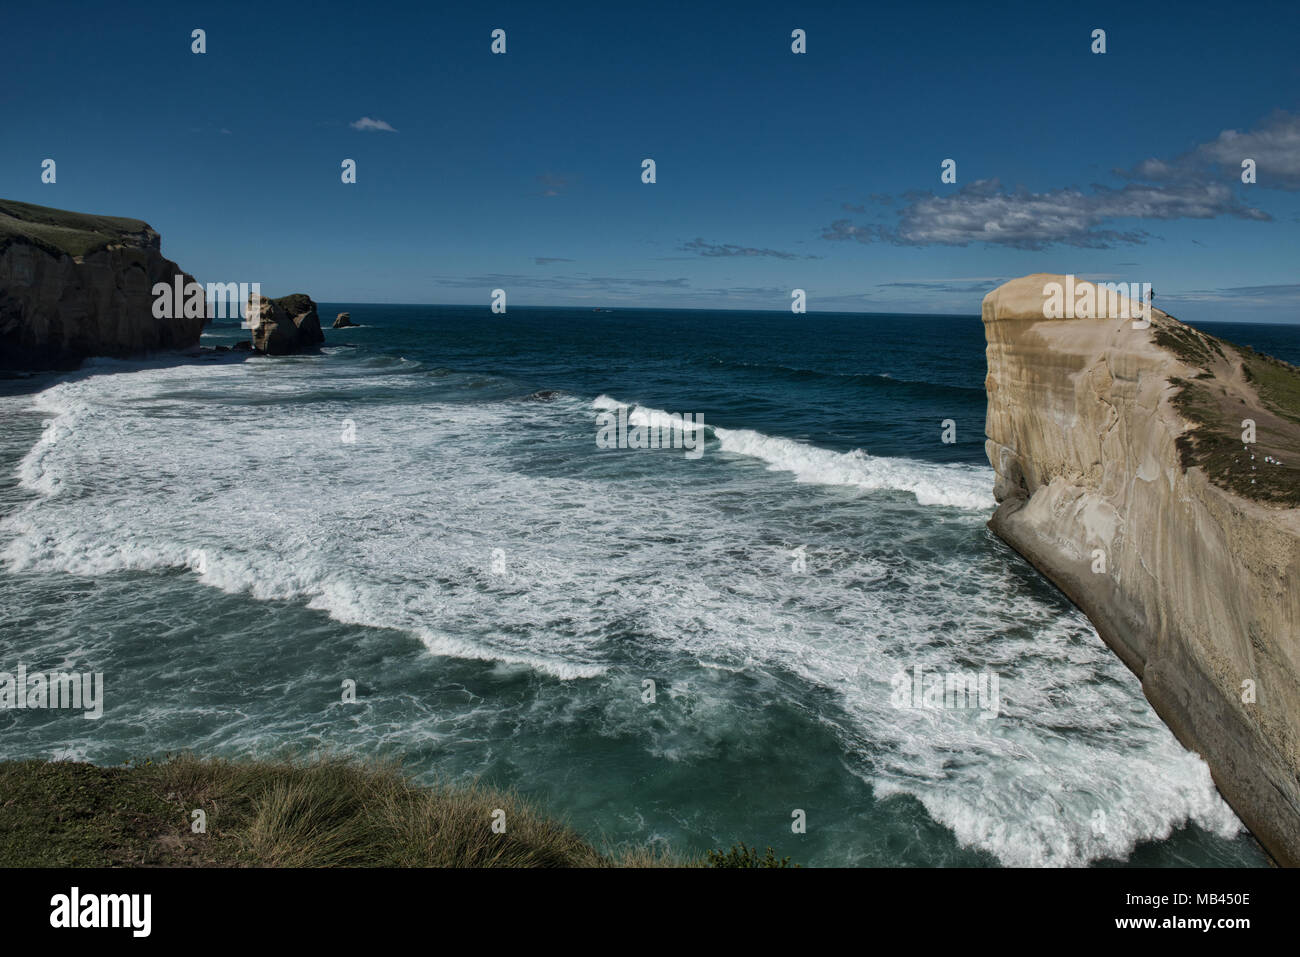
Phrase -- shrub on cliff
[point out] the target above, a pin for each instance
(741, 856)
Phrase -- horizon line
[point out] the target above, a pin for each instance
(828, 312)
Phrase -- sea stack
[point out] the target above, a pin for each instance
(1152, 472)
(286, 325)
(343, 320)
(74, 285)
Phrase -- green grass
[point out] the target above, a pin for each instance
(323, 813)
(295, 303)
(740, 855)
(79, 815)
(1216, 410)
(64, 231)
(1193, 347)
(1277, 382)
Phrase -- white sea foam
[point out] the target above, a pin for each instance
(248, 486)
(958, 486)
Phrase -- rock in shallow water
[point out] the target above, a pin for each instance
(286, 325)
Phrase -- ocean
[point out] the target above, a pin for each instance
(659, 646)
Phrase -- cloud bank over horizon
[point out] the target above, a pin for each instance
(1199, 184)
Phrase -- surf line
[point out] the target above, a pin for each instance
(635, 429)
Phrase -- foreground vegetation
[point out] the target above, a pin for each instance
(326, 813)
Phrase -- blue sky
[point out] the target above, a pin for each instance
(819, 171)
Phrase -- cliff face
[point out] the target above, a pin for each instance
(1122, 475)
(74, 285)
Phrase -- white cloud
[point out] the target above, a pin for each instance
(370, 123)
(984, 212)
(704, 248)
(1274, 146)
(1203, 183)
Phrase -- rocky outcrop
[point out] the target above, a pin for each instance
(74, 285)
(1153, 474)
(343, 320)
(286, 325)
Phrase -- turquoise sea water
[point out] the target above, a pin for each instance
(423, 509)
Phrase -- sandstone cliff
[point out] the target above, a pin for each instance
(1122, 475)
(74, 285)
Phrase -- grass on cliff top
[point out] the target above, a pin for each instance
(1277, 382)
(295, 304)
(64, 231)
(1216, 404)
(1194, 347)
(325, 813)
